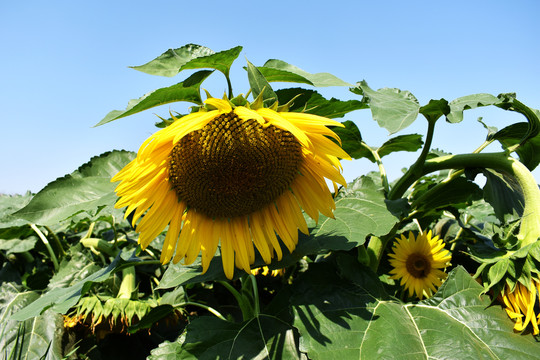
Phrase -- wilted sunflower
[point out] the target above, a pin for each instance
(417, 262)
(520, 305)
(231, 175)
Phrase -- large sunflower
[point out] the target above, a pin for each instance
(520, 305)
(417, 263)
(231, 175)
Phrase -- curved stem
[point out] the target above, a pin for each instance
(415, 171)
(530, 224)
(382, 170)
(47, 245)
(229, 86)
(256, 305)
(57, 241)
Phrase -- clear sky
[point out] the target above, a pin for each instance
(63, 66)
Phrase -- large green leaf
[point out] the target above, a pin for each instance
(87, 190)
(458, 105)
(169, 63)
(314, 103)
(278, 70)
(353, 318)
(32, 338)
(393, 109)
(361, 210)
(503, 193)
(188, 90)
(220, 61)
(263, 337)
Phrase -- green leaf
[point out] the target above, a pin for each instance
(361, 210)
(220, 61)
(87, 190)
(18, 245)
(8, 205)
(169, 63)
(410, 142)
(458, 105)
(503, 193)
(351, 141)
(351, 317)
(529, 151)
(278, 70)
(454, 193)
(393, 109)
(314, 103)
(188, 90)
(259, 85)
(38, 336)
(61, 299)
(263, 337)
(435, 109)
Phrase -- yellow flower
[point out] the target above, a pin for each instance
(519, 305)
(234, 176)
(417, 263)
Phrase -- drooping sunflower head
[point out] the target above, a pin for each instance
(520, 305)
(418, 262)
(231, 176)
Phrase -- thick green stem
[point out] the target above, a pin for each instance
(256, 305)
(128, 285)
(47, 245)
(375, 250)
(530, 224)
(57, 241)
(415, 171)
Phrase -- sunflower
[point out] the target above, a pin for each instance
(231, 175)
(417, 262)
(520, 305)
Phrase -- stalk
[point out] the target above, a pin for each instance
(128, 285)
(47, 245)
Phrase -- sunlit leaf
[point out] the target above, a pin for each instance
(169, 63)
(393, 109)
(344, 319)
(435, 109)
(188, 90)
(8, 205)
(38, 336)
(220, 61)
(314, 103)
(410, 142)
(278, 70)
(86, 190)
(259, 85)
(461, 104)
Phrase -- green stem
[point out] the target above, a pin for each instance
(128, 285)
(415, 171)
(382, 170)
(256, 305)
(530, 223)
(229, 86)
(57, 241)
(247, 311)
(205, 307)
(375, 250)
(47, 245)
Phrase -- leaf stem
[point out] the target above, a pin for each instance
(57, 241)
(47, 245)
(256, 305)
(242, 303)
(128, 285)
(382, 170)
(202, 306)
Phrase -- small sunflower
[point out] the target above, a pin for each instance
(417, 263)
(520, 305)
(234, 176)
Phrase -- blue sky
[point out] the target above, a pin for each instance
(64, 66)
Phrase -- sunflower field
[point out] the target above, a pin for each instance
(232, 233)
